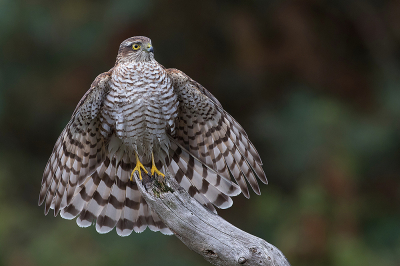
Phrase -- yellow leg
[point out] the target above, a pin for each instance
(138, 166)
(154, 168)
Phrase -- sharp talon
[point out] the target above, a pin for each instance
(139, 166)
(154, 168)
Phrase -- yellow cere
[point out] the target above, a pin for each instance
(135, 46)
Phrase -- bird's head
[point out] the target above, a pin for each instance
(135, 49)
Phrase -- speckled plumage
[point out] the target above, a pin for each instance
(140, 107)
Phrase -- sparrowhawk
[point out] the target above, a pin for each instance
(140, 117)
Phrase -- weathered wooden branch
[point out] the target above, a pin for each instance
(204, 232)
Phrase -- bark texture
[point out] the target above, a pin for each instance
(204, 232)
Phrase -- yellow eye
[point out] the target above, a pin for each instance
(135, 46)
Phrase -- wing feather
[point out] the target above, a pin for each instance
(212, 136)
(80, 145)
(82, 179)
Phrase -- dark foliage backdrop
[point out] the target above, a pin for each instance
(314, 83)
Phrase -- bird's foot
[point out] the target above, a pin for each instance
(139, 166)
(154, 168)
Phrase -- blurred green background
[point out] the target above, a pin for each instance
(315, 84)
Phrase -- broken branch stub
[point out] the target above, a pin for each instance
(204, 232)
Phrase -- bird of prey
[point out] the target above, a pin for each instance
(137, 118)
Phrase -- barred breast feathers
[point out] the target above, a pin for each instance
(143, 104)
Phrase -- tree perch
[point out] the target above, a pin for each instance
(204, 232)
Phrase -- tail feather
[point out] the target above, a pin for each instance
(201, 171)
(153, 221)
(140, 224)
(126, 223)
(112, 212)
(100, 198)
(110, 199)
(181, 160)
(185, 183)
(84, 194)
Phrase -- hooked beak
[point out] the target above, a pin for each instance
(150, 48)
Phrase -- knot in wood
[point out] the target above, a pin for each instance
(210, 253)
(242, 260)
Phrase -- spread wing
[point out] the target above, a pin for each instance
(209, 134)
(78, 151)
(82, 179)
